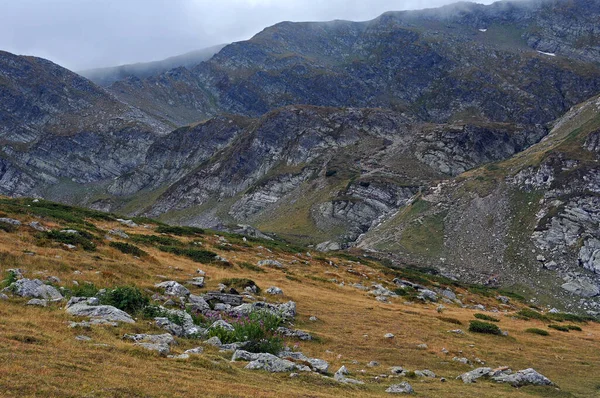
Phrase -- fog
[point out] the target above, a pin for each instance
(83, 34)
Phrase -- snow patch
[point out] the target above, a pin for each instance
(550, 54)
(483, 30)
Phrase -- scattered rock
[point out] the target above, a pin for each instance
(270, 263)
(425, 373)
(38, 302)
(162, 349)
(524, 378)
(396, 370)
(10, 221)
(37, 226)
(274, 291)
(119, 232)
(422, 346)
(401, 388)
(128, 223)
(104, 312)
(340, 376)
(165, 338)
(373, 364)
(221, 324)
(194, 351)
(473, 375)
(173, 288)
(36, 289)
(198, 281)
(298, 334)
(428, 295)
(313, 319)
(389, 336)
(82, 338)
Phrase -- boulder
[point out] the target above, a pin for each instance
(225, 298)
(173, 288)
(162, 349)
(298, 334)
(38, 302)
(388, 336)
(318, 365)
(165, 338)
(286, 310)
(401, 388)
(198, 304)
(340, 376)
(119, 232)
(524, 378)
(10, 221)
(428, 295)
(35, 288)
(104, 312)
(425, 373)
(272, 364)
(221, 324)
(183, 327)
(194, 351)
(198, 281)
(270, 263)
(473, 375)
(274, 291)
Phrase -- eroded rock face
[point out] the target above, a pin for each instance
(35, 288)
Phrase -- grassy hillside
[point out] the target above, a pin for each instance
(41, 357)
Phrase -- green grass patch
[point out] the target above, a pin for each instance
(154, 240)
(81, 239)
(560, 328)
(541, 332)
(485, 317)
(251, 267)
(527, 313)
(197, 255)
(258, 329)
(127, 298)
(128, 248)
(574, 327)
(179, 231)
(484, 327)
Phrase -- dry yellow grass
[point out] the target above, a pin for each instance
(39, 355)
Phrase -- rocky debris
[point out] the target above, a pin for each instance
(340, 376)
(286, 310)
(274, 291)
(127, 223)
(449, 294)
(422, 346)
(581, 287)
(473, 375)
(462, 360)
(38, 302)
(425, 373)
(79, 306)
(380, 290)
(83, 338)
(268, 362)
(313, 318)
(214, 341)
(373, 364)
(3, 296)
(428, 295)
(297, 334)
(404, 283)
(194, 351)
(10, 221)
(35, 288)
(328, 246)
(37, 226)
(388, 336)
(456, 331)
(118, 232)
(396, 370)
(184, 325)
(225, 298)
(165, 338)
(318, 365)
(162, 349)
(401, 388)
(198, 304)
(173, 288)
(524, 378)
(92, 322)
(221, 324)
(503, 299)
(269, 263)
(198, 281)
(53, 279)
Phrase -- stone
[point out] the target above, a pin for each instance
(274, 291)
(198, 281)
(340, 376)
(82, 338)
(524, 378)
(503, 299)
(396, 370)
(581, 287)
(221, 324)
(165, 338)
(389, 336)
(194, 351)
(184, 327)
(104, 312)
(270, 263)
(456, 331)
(214, 341)
(118, 232)
(463, 360)
(36, 289)
(449, 294)
(128, 223)
(3, 296)
(53, 279)
(162, 349)
(425, 373)
(10, 221)
(313, 319)
(221, 307)
(373, 364)
(225, 298)
(428, 295)
(401, 388)
(198, 304)
(298, 334)
(422, 346)
(380, 290)
(37, 226)
(286, 310)
(38, 302)
(473, 375)
(92, 322)
(173, 288)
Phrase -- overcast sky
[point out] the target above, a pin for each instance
(82, 34)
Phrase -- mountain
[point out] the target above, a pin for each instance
(57, 127)
(530, 222)
(106, 76)
(524, 62)
(172, 304)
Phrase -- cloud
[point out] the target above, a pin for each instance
(81, 34)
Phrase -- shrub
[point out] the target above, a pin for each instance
(127, 298)
(179, 231)
(410, 374)
(484, 327)
(563, 316)
(251, 267)
(154, 239)
(258, 329)
(559, 327)
(541, 332)
(11, 277)
(128, 248)
(527, 313)
(6, 227)
(574, 327)
(81, 239)
(486, 317)
(86, 289)
(450, 320)
(197, 255)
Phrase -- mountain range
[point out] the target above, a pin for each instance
(463, 139)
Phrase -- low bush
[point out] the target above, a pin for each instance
(484, 327)
(258, 329)
(127, 298)
(450, 320)
(240, 283)
(559, 327)
(527, 314)
(86, 289)
(11, 278)
(154, 239)
(541, 332)
(197, 255)
(574, 327)
(81, 239)
(128, 248)
(563, 316)
(179, 231)
(251, 267)
(485, 317)
(6, 227)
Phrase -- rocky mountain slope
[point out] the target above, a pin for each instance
(57, 126)
(524, 62)
(175, 311)
(530, 221)
(106, 76)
